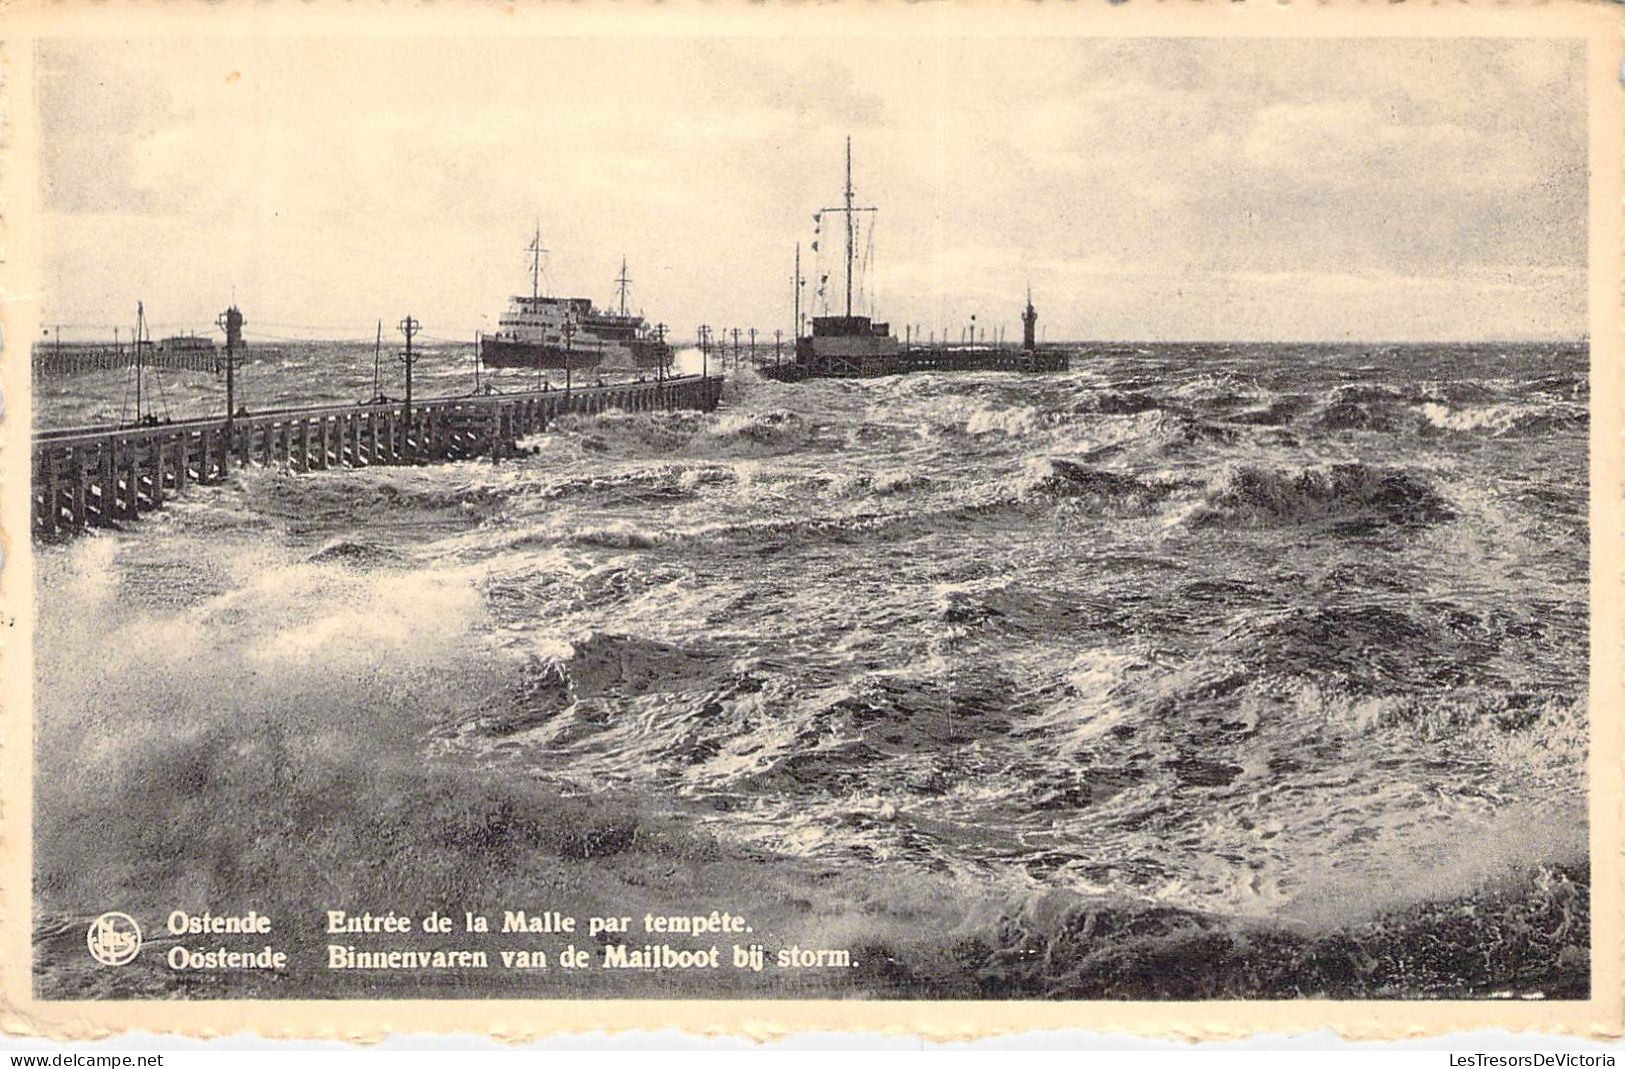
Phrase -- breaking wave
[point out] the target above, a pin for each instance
(664, 482)
(1059, 478)
(1507, 419)
(1250, 495)
(756, 433)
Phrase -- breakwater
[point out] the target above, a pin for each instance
(104, 476)
(809, 365)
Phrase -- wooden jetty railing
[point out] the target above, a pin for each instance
(77, 357)
(986, 360)
(98, 477)
(807, 366)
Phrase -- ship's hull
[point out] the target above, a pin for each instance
(499, 352)
(640, 355)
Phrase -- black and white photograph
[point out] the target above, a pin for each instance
(725, 513)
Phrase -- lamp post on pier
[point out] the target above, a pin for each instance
(408, 327)
(569, 332)
(660, 355)
(232, 322)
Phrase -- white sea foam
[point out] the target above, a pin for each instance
(1063, 634)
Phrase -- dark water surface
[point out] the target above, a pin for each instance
(1259, 631)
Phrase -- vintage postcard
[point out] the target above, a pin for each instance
(943, 518)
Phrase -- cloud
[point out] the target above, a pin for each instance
(337, 180)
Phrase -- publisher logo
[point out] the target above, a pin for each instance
(114, 938)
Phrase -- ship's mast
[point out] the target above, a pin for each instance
(621, 283)
(140, 325)
(849, 227)
(851, 224)
(536, 251)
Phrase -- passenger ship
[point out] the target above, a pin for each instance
(541, 331)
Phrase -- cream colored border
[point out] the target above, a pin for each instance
(1601, 24)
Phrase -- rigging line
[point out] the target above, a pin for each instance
(868, 262)
(124, 405)
(309, 326)
(163, 398)
(283, 340)
(133, 372)
(308, 341)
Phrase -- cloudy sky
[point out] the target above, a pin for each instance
(1147, 189)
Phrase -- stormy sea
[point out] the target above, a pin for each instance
(1198, 671)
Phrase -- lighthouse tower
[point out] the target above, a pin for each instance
(1029, 321)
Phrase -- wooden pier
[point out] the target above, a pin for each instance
(106, 477)
(72, 358)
